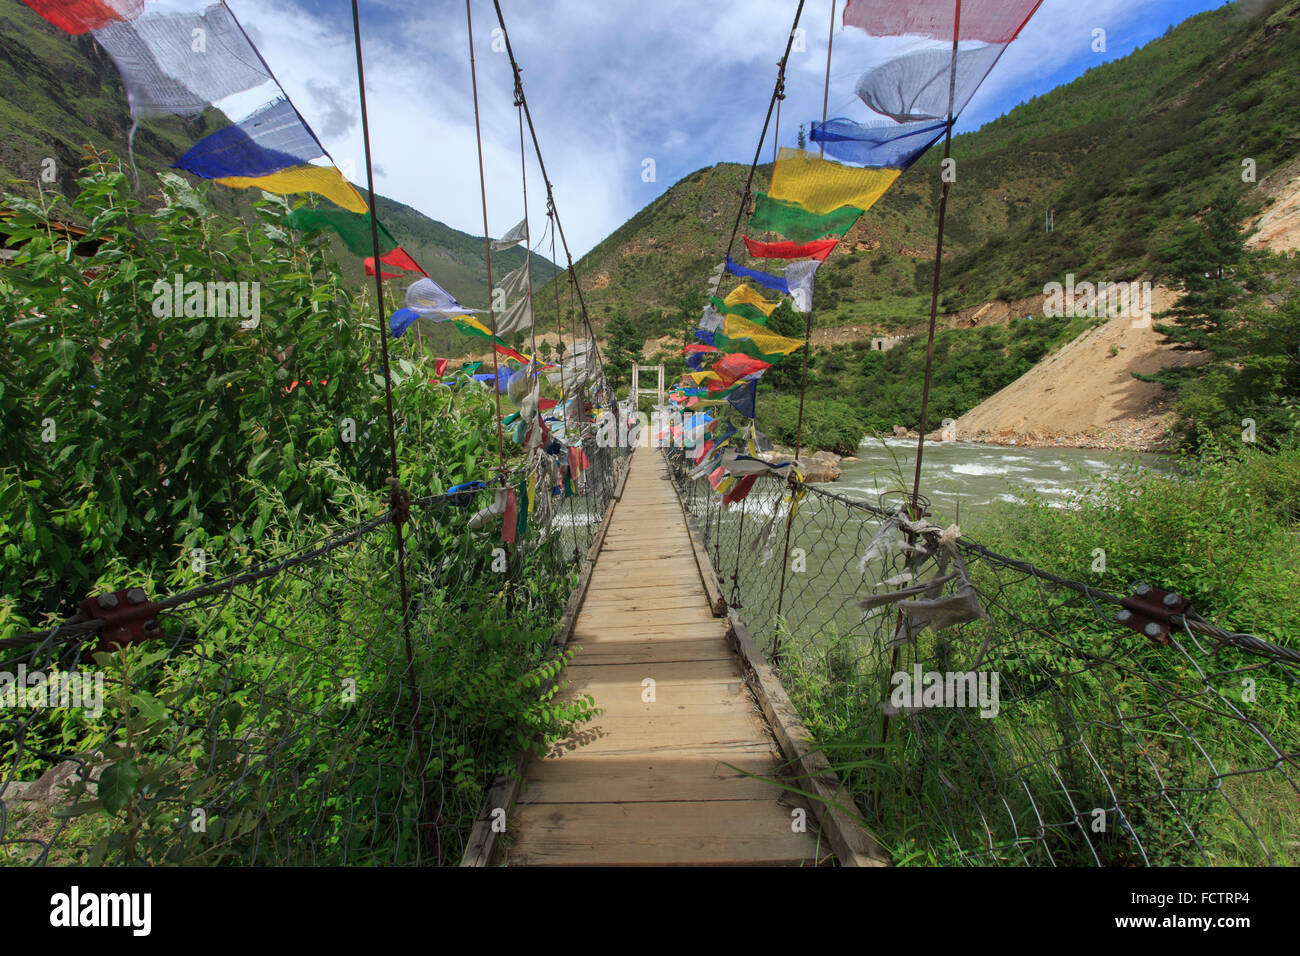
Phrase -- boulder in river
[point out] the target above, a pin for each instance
(819, 466)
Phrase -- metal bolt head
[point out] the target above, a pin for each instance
(1142, 590)
(1152, 629)
(107, 601)
(1172, 600)
(1124, 616)
(136, 596)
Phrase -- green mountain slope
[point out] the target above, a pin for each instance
(59, 94)
(1124, 154)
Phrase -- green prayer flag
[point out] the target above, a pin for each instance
(796, 223)
(744, 310)
(353, 228)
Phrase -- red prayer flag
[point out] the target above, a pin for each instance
(819, 249)
(81, 16)
(510, 521)
(399, 258)
(440, 367)
(511, 353)
(740, 490)
(992, 21)
(732, 368)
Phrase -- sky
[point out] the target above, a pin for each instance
(627, 97)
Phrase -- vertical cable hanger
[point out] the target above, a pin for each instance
(528, 257)
(803, 380)
(938, 262)
(778, 94)
(767, 122)
(399, 501)
(550, 195)
(915, 510)
(487, 247)
(826, 91)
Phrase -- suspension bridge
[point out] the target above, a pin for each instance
(678, 767)
(595, 657)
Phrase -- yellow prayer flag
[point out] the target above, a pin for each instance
(325, 181)
(767, 342)
(822, 186)
(744, 295)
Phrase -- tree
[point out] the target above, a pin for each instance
(624, 340)
(784, 377)
(1208, 261)
(1248, 323)
(803, 137)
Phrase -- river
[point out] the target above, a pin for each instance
(972, 477)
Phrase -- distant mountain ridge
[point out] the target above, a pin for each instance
(1124, 155)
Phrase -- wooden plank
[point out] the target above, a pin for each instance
(503, 794)
(645, 778)
(654, 652)
(720, 832)
(659, 620)
(628, 698)
(611, 580)
(636, 601)
(726, 670)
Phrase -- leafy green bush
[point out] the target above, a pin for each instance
(128, 438)
(1220, 531)
(827, 424)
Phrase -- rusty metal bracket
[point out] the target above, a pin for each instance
(399, 499)
(1150, 612)
(129, 618)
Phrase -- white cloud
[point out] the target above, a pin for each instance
(609, 83)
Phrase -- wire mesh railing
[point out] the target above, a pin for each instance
(986, 712)
(292, 714)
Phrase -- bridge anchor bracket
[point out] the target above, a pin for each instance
(1150, 612)
(129, 617)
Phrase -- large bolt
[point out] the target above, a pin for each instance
(1172, 600)
(1152, 629)
(107, 601)
(136, 596)
(1142, 590)
(1124, 616)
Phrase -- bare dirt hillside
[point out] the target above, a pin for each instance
(1085, 395)
(1279, 225)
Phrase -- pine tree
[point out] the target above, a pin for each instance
(1208, 261)
(624, 340)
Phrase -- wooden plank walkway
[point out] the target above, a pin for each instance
(645, 782)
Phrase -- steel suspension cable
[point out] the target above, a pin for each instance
(487, 247)
(826, 91)
(396, 494)
(938, 262)
(528, 256)
(803, 381)
(767, 122)
(550, 195)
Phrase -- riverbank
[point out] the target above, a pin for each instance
(1148, 434)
